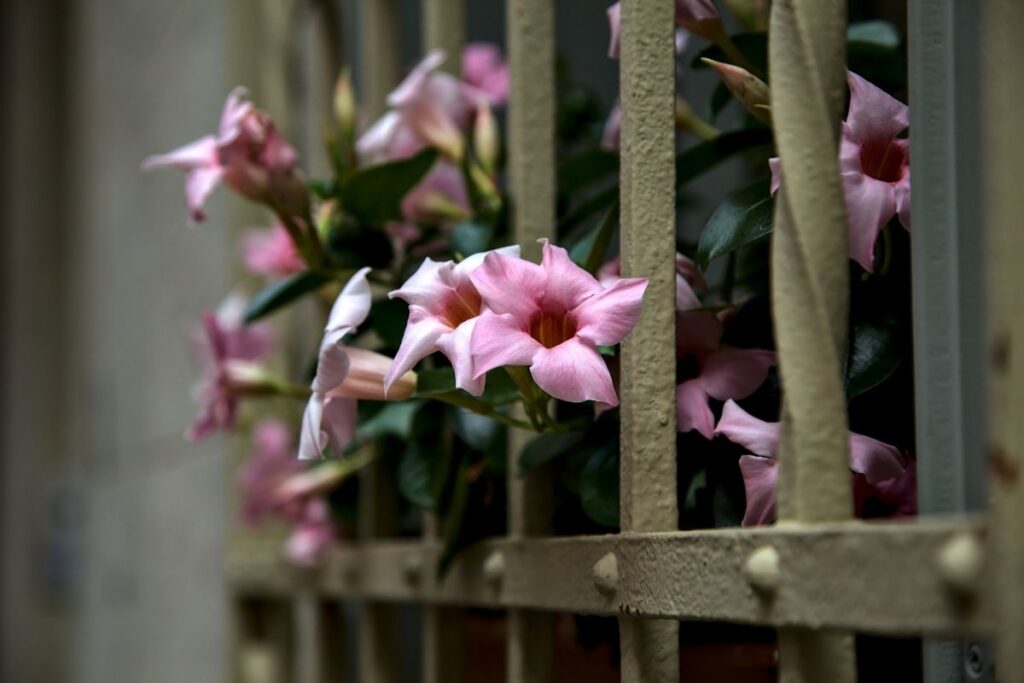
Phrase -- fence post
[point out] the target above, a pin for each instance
(444, 27)
(380, 36)
(531, 164)
(650, 649)
(810, 292)
(1003, 148)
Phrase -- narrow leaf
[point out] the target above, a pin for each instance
(282, 293)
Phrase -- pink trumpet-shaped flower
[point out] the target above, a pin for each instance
(313, 536)
(271, 464)
(484, 68)
(691, 15)
(345, 374)
(875, 166)
(230, 352)
(880, 464)
(247, 153)
(552, 318)
(444, 306)
(271, 252)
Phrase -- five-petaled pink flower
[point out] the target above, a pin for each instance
(880, 464)
(552, 318)
(247, 153)
(723, 372)
(692, 15)
(271, 464)
(484, 68)
(875, 166)
(230, 352)
(444, 307)
(270, 252)
(313, 536)
(345, 374)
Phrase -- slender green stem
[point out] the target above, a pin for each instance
(482, 408)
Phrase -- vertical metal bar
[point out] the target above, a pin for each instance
(263, 640)
(947, 274)
(444, 27)
(329, 665)
(531, 116)
(810, 295)
(650, 649)
(1003, 147)
(378, 622)
(378, 52)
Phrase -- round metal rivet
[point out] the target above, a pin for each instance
(494, 567)
(960, 561)
(412, 566)
(762, 569)
(606, 574)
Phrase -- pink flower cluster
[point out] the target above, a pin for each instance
(496, 309)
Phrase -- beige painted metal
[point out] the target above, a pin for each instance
(648, 437)
(1003, 148)
(380, 36)
(444, 27)
(530, 26)
(810, 296)
(877, 577)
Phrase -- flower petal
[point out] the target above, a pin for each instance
(614, 24)
(338, 422)
(456, 346)
(311, 438)
(870, 203)
(611, 136)
(608, 316)
(567, 284)
(331, 367)
(352, 305)
(499, 340)
(735, 373)
(427, 286)
(902, 191)
(759, 478)
(697, 332)
(199, 154)
(574, 371)
(775, 165)
(874, 114)
(199, 183)
(419, 341)
(467, 265)
(510, 285)
(692, 410)
(757, 436)
(876, 460)
(409, 89)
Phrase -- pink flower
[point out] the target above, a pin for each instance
(879, 463)
(439, 197)
(444, 306)
(688, 279)
(484, 68)
(271, 252)
(691, 15)
(552, 318)
(428, 109)
(247, 153)
(345, 374)
(875, 166)
(229, 352)
(270, 465)
(610, 136)
(313, 536)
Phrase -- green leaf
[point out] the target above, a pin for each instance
(389, 318)
(322, 188)
(393, 419)
(416, 477)
(754, 47)
(478, 431)
(374, 195)
(546, 448)
(434, 382)
(599, 486)
(745, 217)
(720, 99)
(468, 237)
(876, 350)
(282, 293)
(455, 522)
(881, 33)
(705, 156)
(586, 168)
(602, 239)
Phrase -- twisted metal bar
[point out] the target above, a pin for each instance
(810, 295)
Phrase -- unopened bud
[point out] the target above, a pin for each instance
(485, 138)
(753, 14)
(750, 90)
(345, 103)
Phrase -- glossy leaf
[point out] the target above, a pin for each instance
(881, 33)
(394, 419)
(415, 476)
(876, 351)
(374, 194)
(469, 237)
(745, 217)
(282, 293)
(586, 168)
(599, 486)
(546, 447)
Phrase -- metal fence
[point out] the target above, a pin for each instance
(817, 576)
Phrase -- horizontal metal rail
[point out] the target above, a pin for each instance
(887, 578)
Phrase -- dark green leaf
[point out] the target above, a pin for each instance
(745, 217)
(720, 99)
(468, 237)
(754, 47)
(374, 195)
(547, 447)
(876, 350)
(588, 208)
(602, 239)
(433, 381)
(322, 188)
(586, 168)
(416, 478)
(599, 486)
(389, 318)
(478, 431)
(705, 156)
(282, 293)
(393, 419)
(880, 33)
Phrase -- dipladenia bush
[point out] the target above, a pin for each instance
(437, 336)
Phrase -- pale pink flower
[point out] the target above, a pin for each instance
(484, 68)
(270, 252)
(724, 372)
(345, 374)
(270, 465)
(879, 463)
(229, 352)
(691, 15)
(689, 280)
(552, 318)
(313, 536)
(428, 109)
(612, 133)
(444, 306)
(439, 198)
(247, 153)
(875, 166)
